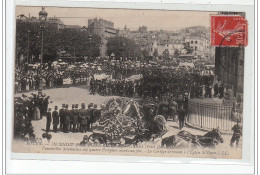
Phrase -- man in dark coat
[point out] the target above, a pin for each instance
(89, 116)
(181, 116)
(75, 117)
(82, 117)
(96, 115)
(61, 115)
(186, 102)
(55, 118)
(41, 106)
(237, 133)
(45, 104)
(216, 90)
(48, 116)
(66, 119)
(221, 90)
(71, 117)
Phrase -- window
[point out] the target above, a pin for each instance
(196, 42)
(196, 48)
(191, 42)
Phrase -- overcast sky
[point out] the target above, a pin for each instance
(153, 19)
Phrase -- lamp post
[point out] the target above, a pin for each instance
(42, 17)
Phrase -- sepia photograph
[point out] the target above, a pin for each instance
(129, 82)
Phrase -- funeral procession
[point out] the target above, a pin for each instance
(95, 79)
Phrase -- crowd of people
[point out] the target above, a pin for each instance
(74, 119)
(157, 78)
(26, 109)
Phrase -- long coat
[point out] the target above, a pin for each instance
(75, 116)
(36, 114)
(55, 117)
(61, 115)
(66, 117)
(83, 116)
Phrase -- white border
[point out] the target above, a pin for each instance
(33, 166)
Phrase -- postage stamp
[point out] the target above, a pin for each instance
(229, 31)
(128, 82)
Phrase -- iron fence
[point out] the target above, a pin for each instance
(211, 116)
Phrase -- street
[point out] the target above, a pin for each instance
(78, 95)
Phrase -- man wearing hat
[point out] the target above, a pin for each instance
(61, 115)
(96, 115)
(75, 117)
(82, 117)
(89, 115)
(45, 104)
(55, 118)
(71, 116)
(48, 116)
(66, 119)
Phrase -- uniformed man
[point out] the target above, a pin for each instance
(48, 116)
(55, 118)
(75, 117)
(66, 119)
(181, 116)
(82, 118)
(71, 117)
(45, 104)
(89, 115)
(61, 115)
(237, 129)
(96, 115)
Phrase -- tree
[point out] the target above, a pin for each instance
(122, 47)
(50, 40)
(75, 42)
(79, 43)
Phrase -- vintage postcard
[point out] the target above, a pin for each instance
(157, 83)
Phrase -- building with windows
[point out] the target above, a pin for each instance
(198, 44)
(104, 29)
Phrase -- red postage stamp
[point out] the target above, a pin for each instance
(229, 31)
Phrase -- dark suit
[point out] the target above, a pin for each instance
(55, 118)
(89, 117)
(61, 115)
(83, 119)
(48, 124)
(66, 120)
(181, 117)
(45, 105)
(75, 119)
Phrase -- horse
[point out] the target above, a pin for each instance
(210, 139)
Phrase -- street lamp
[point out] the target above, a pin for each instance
(42, 17)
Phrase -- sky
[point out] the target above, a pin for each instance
(153, 19)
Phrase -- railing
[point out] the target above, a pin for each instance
(209, 116)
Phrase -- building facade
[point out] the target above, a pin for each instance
(104, 29)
